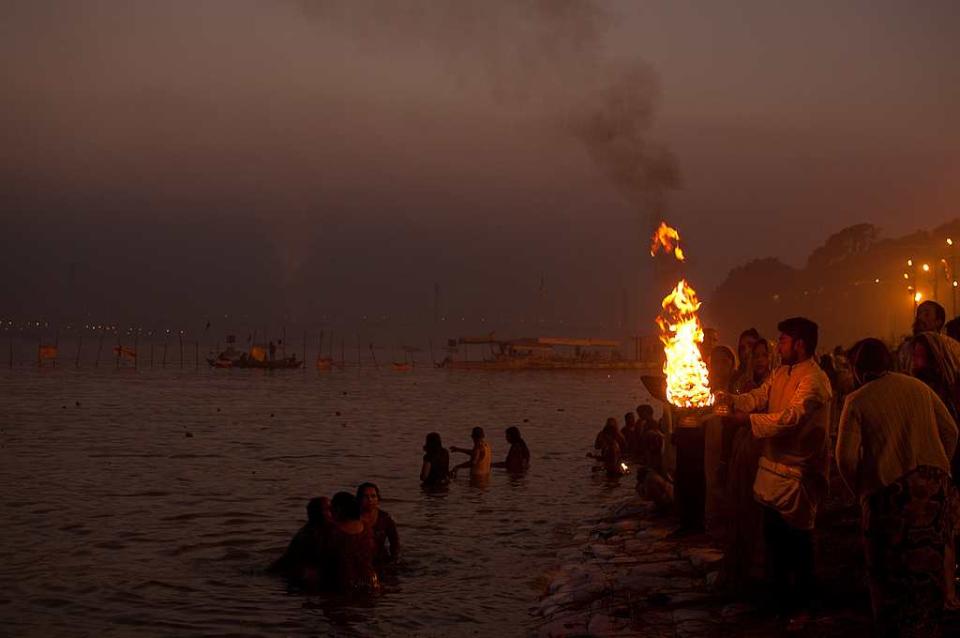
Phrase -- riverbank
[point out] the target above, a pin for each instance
(626, 574)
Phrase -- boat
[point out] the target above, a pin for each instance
(257, 358)
(542, 353)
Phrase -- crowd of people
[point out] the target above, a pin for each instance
(884, 417)
(348, 540)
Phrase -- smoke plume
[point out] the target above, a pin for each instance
(542, 55)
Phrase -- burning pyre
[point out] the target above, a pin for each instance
(681, 334)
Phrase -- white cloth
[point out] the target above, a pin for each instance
(790, 413)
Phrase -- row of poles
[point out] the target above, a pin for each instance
(44, 354)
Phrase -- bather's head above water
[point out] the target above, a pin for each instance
(368, 496)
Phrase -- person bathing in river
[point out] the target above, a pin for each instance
(518, 458)
(382, 524)
(480, 455)
(351, 548)
(611, 450)
(610, 428)
(435, 471)
(303, 560)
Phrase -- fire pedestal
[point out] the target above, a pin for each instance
(690, 480)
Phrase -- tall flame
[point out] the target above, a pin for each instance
(687, 381)
(688, 384)
(668, 240)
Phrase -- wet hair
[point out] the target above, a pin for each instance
(363, 487)
(477, 433)
(433, 442)
(345, 506)
(315, 510)
(952, 328)
(513, 434)
(803, 329)
(937, 309)
(645, 410)
(870, 358)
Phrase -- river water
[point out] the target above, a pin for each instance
(114, 521)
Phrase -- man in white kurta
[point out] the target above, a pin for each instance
(790, 414)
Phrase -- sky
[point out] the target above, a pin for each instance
(328, 162)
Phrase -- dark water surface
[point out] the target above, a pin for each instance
(114, 522)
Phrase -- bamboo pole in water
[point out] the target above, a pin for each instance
(164, 361)
(119, 347)
(304, 349)
(373, 354)
(180, 337)
(136, 350)
(99, 349)
(76, 362)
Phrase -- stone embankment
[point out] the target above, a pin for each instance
(626, 575)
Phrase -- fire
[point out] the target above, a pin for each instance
(668, 240)
(680, 331)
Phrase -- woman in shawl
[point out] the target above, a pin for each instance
(893, 451)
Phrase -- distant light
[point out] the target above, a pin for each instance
(906, 276)
(926, 268)
(876, 281)
(917, 297)
(949, 242)
(909, 262)
(954, 283)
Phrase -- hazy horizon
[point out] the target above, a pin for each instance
(295, 160)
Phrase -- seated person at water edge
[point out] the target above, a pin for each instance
(303, 561)
(435, 471)
(480, 454)
(518, 458)
(386, 542)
